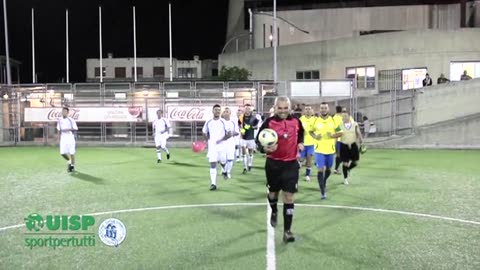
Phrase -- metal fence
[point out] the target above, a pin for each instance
(15, 130)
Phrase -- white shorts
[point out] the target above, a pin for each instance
(217, 156)
(237, 140)
(230, 151)
(67, 148)
(161, 141)
(249, 144)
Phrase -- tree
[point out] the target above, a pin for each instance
(233, 74)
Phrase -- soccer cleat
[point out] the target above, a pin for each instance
(168, 155)
(159, 161)
(238, 160)
(244, 171)
(273, 219)
(72, 168)
(324, 196)
(345, 181)
(213, 187)
(225, 176)
(288, 237)
(249, 168)
(307, 178)
(229, 176)
(336, 172)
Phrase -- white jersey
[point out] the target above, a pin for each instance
(160, 127)
(215, 130)
(63, 124)
(231, 126)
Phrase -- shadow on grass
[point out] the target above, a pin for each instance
(185, 164)
(88, 178)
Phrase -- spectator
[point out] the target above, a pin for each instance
(427, 81)
(465, 76)
(442, 79)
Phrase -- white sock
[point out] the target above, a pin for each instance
(250, 160)
(245, 161)
(69, 161)
(166, 150)
(213, 176)
(159, 154)
(229, 166)
(237, 153)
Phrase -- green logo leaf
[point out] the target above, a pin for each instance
(34, 222)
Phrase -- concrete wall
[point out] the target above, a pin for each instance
(462, 133)
(326, 24)
(446, 102)
(434, 49)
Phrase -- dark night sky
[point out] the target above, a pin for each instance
(199, 28)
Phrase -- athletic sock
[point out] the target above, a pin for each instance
(287, 216)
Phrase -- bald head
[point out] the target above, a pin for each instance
(282, 107)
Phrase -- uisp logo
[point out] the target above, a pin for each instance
(112, 232)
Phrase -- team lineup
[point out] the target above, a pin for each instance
(287, 141)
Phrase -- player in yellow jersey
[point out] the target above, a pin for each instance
(307, 120)
(349, 152)
(325, 132)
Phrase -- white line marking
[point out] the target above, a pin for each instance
(271, 260)
(262, 204)
(392, 212)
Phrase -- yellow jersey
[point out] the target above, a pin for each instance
(338, 118)
(322, 127)
(349, 133)
(307, 123)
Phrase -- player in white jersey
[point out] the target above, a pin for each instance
(161, 127)
(230, 144)
(66, 126)
(215, 133)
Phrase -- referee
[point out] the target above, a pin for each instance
(281, 166)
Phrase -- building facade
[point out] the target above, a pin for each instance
(150, 69)
(379, 46)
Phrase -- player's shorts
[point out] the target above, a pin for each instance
(230, 151)
(217, 153)
(67, 148)
(161, 141)
(322, 160)
(348, 153)
(249, 144)
(337, 146)
(282, 175)
(308, 150)
(237, 140)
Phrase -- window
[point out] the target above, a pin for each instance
(365, 76)
(139, 72)
(308, 75)
(215, 72)
(159, 72)
(457, 69)
(120, 72)
(187, 73)
(97, 72)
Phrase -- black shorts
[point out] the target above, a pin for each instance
(282, 175)
(348, 153)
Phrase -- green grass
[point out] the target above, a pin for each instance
(443, 183)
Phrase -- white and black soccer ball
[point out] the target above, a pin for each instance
(267, 137)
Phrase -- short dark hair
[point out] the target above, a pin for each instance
(324, 103)
(66, 108)
(247, 105)
(216, 106)
(338, 109)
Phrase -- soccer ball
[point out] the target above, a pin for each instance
(267, 137)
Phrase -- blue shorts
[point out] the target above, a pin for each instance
(337, 147)
(322, 160)
(308, 150)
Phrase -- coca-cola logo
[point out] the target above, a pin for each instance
(135, 111)
(186, 114)
(54, 114)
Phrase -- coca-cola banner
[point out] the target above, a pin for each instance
(192, 113)
(93, 114)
